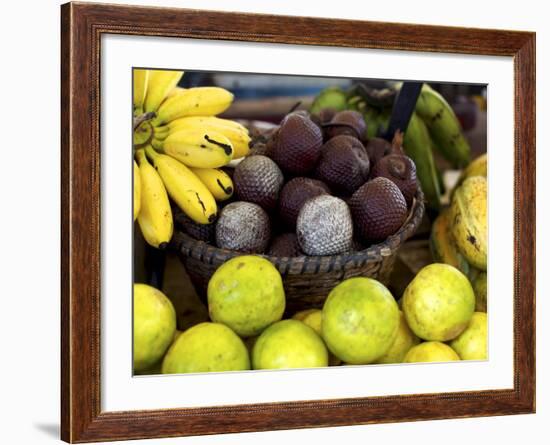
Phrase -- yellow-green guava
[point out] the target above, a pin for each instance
(431, 351)
(472, 343)
(439, 302)
(404, 340)
(289, 344)
(313, 317)
(206, 347)
(246, 293)
(154, 326)
(360, 320)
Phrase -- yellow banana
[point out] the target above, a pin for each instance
(217, 181)
(137, 191)
(155, 215)
(160, 83)
(141, 78)
(198, 148)
(199, 101)
(478, 167)
(235, 132)
(143, 134)
(443, 126)
(442, 245)
(418, 146)
(469, 220)
(183, 186)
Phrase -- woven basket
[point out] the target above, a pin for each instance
(307, 279)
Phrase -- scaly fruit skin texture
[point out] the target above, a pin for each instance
(199, 101)
(469, 220)
(235, 132)
(199, 148)
(141, 78)
(137, 191)
(155, 215)
(444, 127)
(185, 188)
(217, 181)
(160, 83)
(154, 325)
(418, 146)
(443, 246)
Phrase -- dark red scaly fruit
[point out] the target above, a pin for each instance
(293, 196)
(378, 209)
(346, 122)
(377, 148)
(258, 179)
(344, 164)
(285, 244)
(297, 144)
(398, 168)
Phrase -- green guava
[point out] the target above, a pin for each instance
(472, 343)
(289, 344)
(206, 347)
(246, 293)
(360, 320)
(313, 318)
(431, 351)
(404, 340)
(439, 302)
(154, 326)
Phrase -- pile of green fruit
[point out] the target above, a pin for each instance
(433, 126)
(360, 323)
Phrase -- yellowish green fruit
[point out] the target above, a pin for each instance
(478, 167)
(360, 320)
(154, 325)
(137, 191)
(141, 78)
(469, 220)
(439, 302)
(313, 318)
(431, 351)
(206, 347)
(289, 344)
(480, 290)
(404, 341)
(246, 293)
(160, 84)
(472, 343)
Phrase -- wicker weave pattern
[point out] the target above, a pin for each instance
(307, 279)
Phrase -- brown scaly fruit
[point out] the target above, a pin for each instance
(377, 148)
(344, 164)
(378, 208)
(348, 122)
(285, 245)
(324, 226)
(293, 196)
(296, 145)
(398, 168)
(243, 226)
(258, 179)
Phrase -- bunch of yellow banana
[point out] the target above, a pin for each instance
(180, 146)
(433, 126)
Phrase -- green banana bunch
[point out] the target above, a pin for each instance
(469, 220)
(155, 215)
(418, 146)
(331, 97)
(200, 101)
(185, 188)
(159, 85)
(443, 126)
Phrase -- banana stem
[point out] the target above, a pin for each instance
(140, 156)
(138, 120)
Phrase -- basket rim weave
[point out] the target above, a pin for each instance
(212, 255)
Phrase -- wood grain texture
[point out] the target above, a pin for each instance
(82, 26)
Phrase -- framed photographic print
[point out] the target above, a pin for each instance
(275, 222)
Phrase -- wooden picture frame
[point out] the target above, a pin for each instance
(82, 26)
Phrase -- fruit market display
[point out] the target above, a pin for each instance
(324, 184)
